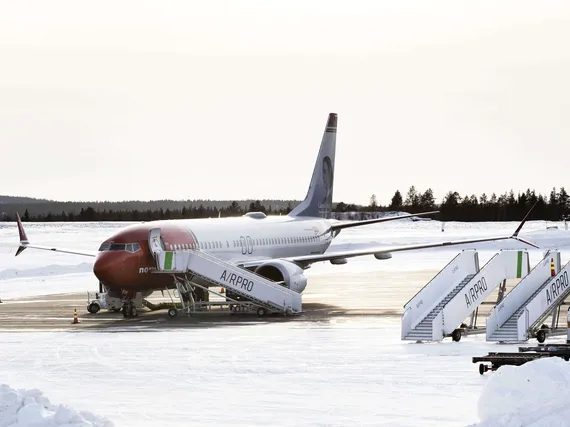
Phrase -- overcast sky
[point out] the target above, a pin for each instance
(114, 100)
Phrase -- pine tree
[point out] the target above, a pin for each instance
(373, 203)
(396, 203)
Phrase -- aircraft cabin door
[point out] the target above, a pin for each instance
(155, 242)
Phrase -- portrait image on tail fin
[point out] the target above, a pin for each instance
(325, 207)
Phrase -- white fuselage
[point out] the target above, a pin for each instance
(243, 238)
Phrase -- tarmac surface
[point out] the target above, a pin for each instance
(327, 297)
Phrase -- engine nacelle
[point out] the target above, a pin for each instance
(383, 255)
(284, 271)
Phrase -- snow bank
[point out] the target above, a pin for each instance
(531, 395)
(31, 409)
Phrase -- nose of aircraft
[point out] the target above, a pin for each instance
(112, 268)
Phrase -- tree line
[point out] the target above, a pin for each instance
(503, 207)
(453, 207)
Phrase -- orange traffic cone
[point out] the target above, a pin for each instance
(75, 319)
(222, 290)
(552, 269)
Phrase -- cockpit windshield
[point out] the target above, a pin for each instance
(129, 247)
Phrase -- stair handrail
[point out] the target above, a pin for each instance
(433, 278)
(221, 262)
(493, 313)
(556, 301)
(523, 279)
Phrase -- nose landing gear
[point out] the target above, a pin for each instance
(129, 309)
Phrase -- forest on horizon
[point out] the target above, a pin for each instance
(453, 207)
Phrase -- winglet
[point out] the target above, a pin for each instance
(24, 242)
(516, 233)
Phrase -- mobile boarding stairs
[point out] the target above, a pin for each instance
(187, 265)
(522, 313)
(456, 292)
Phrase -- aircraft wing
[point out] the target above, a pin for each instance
(25, 243)
(306, 260)
(379, 250)
(327, 256)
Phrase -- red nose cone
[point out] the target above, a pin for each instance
(114, 268)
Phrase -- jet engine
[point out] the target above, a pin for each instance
(284, 271)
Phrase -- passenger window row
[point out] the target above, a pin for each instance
(240, 243)
(278, 241)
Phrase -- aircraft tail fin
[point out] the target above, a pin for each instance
(318, 202)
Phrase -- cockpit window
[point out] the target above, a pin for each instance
(130, 247)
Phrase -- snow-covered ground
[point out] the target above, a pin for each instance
(332, 372)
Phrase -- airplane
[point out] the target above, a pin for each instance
(279, 248)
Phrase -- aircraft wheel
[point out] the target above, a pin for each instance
(456, 335)
(261, 311)
(93, 308)
(483, 369)
(541, 336)
(172, 312)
